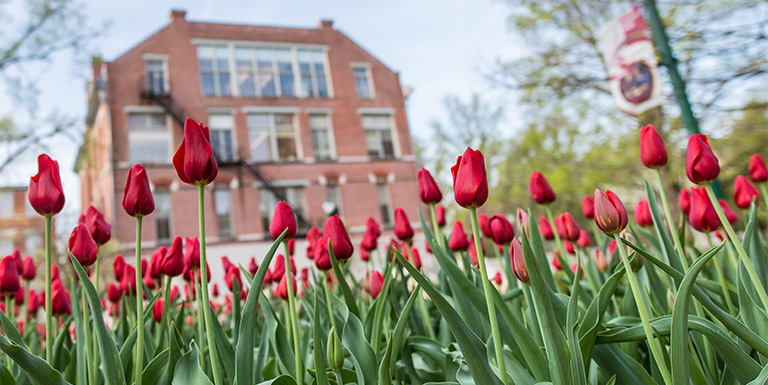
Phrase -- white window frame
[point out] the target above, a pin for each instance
(392, 130)
(232, 232)
(155, 192)
(331, 138)
(231, 113)
(166, 71)
(150, 110)
(272, 111)
(369, 77)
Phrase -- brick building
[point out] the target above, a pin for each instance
(303, 115)
(21, 228)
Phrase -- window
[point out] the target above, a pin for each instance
(222, 133)
(312, 70)
(385, 208)
(294, 196)
(285, 70)
(272, 137)
(362, 82)
(266, 79)
(245, 71)
(148, 138)
(162, 213)
(214, 70)
(321, 136)
(6, 204)
(378, 136)
(333, 194)
(223, 205)
(156, 77)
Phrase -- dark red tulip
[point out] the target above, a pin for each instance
(226, 263)
(154, 263)
(473, 251)
(304, 274)
(281, 220)
(322, 258)
(137, 196)
(546, 229)
(128, 281)
(370, 222)
(497, 278)
(377, 282)
(291, 243)
(701, 164)
(54, 272)
(556, 261)
(610, 214)
(34, 303)
(114, 293)
(502, 231)
(757, 169)
(192, 253)
(337, 234)
(172, 264)
(45, 193)
(364, 255)
(18, 260)
(583, 240)
(194, 160)
(370, 240)
(149, 282)
(9, 276)
(253, 267)
(118, 266)
(744, 192)
(61, 301)
(82, 246)
(279, 269)
(518, 261)
(567, 227)
(522, 220)
(281, 291)
(440, 215)
(588, 207)
(458, 240)
(157, 310)
(652, 150)
(415, 258)
(215, 289)
(540, 189)
(101, 230)
(470, 183)
(569, 248)
(702, 216)
(313, 236)
(403, 229)
(730, 215)
(643, 213)
(428, 190)
(600, 261)
(485, 225)
(28, 270)
(684, 200)
(233, 274)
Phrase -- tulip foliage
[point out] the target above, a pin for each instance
(650, 301)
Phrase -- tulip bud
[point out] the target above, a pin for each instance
(569, 248)
(194, 160)
(335, 351)
(232, 276)
(172, 264)
(192, 253)
(470, 183)
(82, 246)
(415, 258)
(322, 258)
(497, 278)
(636, 261)
(101, 230)
(376, 283)
(473, 251)
(61, 301)
(9, 276)
(253, 267)
(601, 262)
(485, 225)
(428, 190)
(370, 222)
(282, 289)
(279, 268)
(701, 164)
(702, 215)
(114, 293)
(546, 229)
(118, 266)
(684, 200)
(567, 227)
(370, 239)
(137, 196)
(157, 310)
(556, 255)
(518, 261)
(730, 215)
(148, 282)
(128, 281)
(337, 234)
(744, 193)
(581, 270)
(313, 236)
(588, 207)
(154, 263)
(652, 151)
(583, 240)
(610, 214)
(643, 213)
(18, 261)
(440, 215)
(458, 240)
(502, 231)
(403, 229)
(540, 190)
(54, 272)
(281, 220)
(28, 269)
(758, 172)
(522, 221)
(45, 193)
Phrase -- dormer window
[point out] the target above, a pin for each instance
(363, 82)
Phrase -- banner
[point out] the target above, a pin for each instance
(630, 61)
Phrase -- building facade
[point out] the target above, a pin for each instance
(21, 228)
(302, 115)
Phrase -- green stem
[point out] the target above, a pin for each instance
(88, 346)
(721, 277)
(327, 287)
(139, 363)
(339, 380)
(294, 317)
(48, 311)
(643, 308)
(488, 297)
(204, 289)
(759, 288)
(9, 314)
(763, 186)
(200, 316)
(670, 223)
(164, 323)
(25, 307)
(94, 343)
(425, 315)
(435, 227)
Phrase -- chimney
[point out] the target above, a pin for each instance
(96, 63)
(325, 24)
(178, 15)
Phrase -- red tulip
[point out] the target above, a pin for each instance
(377, 282)
(337, 234)
(643, 213)
(28, 270)
(652, 151)
(497, 278)
(61, 301)
(702, 216)
(518, 261)
(428, 190)
(403, 229)
(157, 310)
(291, 243)
(9, 276)
(194, 160)
(612, 248)
(567, 227)
(601, 262)
(54, 272)
(458, 240)
(473, 251)
(305, 274)
(569, 248)
(192, 253)
(701, 164)
(18, 261)
(440, 215)
(502, 231)
(583, 240)
(415, 258)
(470, 183)
(279, 269)
(364, 255)
(283, 219)
(581, 271)
(744, 193)
(34, 303)
(45, 193)
(128, 281)
(215, 290)
(588, 207)
(233, 274)
(225, 263)
(114, 293)
(82, 246)
(485, 225)
(556, 261)
(137, 197)
(148, 282)
(370, 239)
(684, 200)
(118, 266)
(370, 222)
(610, 214)
(172, 264)
(282, 289)
(757, 169)
(101, 230)
(546, 229)
(540, 189)
(253, 267)
(154, 263)
(313, 235)
(730, 215)
(522, 220)
(322, 258)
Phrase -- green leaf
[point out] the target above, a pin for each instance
(360, 351)
(278, 336)
(667, 247)
(397, 338)
(9, 328)
(385, 373)
(592, 318)
(282, 380)
(318, 346)
(247, 333)
(38, 371)
(157, 368)
(188, 371)
(349, 298)
(378, 313)
(111, 364)
(578, 373)
(538, 248)
(762, 379)
(80, 352)
(224, 348)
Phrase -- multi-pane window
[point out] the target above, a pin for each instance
(222, 133)
(385, 208)
(245, 71)
(6, 204)
(162, 213)
(155, 76)
(333, 194)
(285, 71)
(321, 136)
(272, 137)
(378, 136)
(148, 138)
(362, 83)
(312, 70)
(223, 204)
(294, 196)
(265, 82)
(214, 70)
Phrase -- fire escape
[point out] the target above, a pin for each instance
(154, 90)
